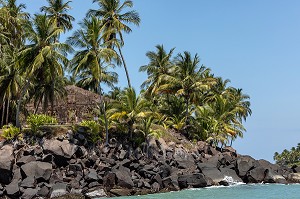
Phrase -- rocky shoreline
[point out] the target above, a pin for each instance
(67, 167)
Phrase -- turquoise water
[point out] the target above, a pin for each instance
(266, 191)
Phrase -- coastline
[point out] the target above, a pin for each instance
(67, 167)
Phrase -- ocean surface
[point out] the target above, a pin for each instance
(249, 191)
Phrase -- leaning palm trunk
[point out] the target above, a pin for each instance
(125, 67)
(102, 106)
(3, 112)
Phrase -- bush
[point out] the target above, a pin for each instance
(94, 130)
(10, 132)
(37, 120)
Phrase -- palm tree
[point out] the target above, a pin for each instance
(159, 64)
(57, 13)
(188, 80)
(41, 53)
(116, 22)
(93, 59)
(129, 108)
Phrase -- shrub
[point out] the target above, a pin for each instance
(94, 130)
(10, 132)
(37, 120)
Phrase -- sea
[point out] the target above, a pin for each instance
(240, 191)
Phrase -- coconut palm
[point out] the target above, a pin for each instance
(57, 13)
(93, 59)
(129, 109)
(188, 80)
(115, 22)
(41, 53)
(159, 64)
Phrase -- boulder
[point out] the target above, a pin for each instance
(13, 189)
(230, 176)
(184, 159)
(171, 183)
(273, 177)
(91, 176)
(62, 148)
(59, 189)
(244, 164)
(256, 175)
(294, 178)
(25, 159)
(212, 172)
(98, 193)
(121, 192)
(28, 182)
(109, 180)
(6, 162)
(196, 180)
(38, 170)
(29, 193)
(123, 177)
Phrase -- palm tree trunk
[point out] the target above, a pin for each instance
(18, 124)
(3, 112)
(7, 110)
(37, 107)
(102, 106)
(186, 110)
(124, 64)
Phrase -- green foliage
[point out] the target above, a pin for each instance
(10, 132)
(95, 130)
(37, 120)
(288, 157)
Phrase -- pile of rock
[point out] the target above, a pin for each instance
(59, 167)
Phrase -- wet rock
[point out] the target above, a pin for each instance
(121, 192)
(196, 180)
(99, 193)
(256, 175)
(59, 189)
(212, 172)
(273, 177)
(294, 178)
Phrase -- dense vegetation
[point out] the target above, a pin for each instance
(288, 157)
(179, 94)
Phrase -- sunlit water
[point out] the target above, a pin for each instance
(249, 191)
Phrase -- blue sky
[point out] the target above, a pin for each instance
(253, 43)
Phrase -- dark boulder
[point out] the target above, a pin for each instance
(61, 148)
(244, 164)
(274, 177)
(123, 177)
(38, 170)
(171, 183)
(6, 162)
(212, 172)
(29, 193)
(256, 175)
(196, 180)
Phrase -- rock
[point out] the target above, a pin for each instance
(244, 164)
(99, 193)
(6, 162)
(25, 159)
(43, 192)
(296, 169)
(29, 193)
(121, 192)
(122, 154)
(230, 175)
(294, 178)
(62, 148)
(38, 170)
(59, 189)
(109, 180)
(196, 180)
(229, 149)
(273, 177)
(155, 187)
(171, 183)
(212, 172)
(256, 175)
(184, 159)
(91, 176)
(13, 189)
(28, 182)
(123, 177)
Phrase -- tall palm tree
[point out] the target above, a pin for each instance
(42, 53)
(159, 64)
(92, 58)
(188, 80)
(115, 22)
(57, 13)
